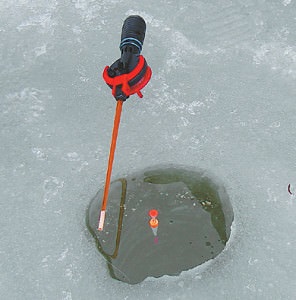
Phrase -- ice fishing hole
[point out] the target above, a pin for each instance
(194, 214)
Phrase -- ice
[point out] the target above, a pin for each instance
(221, 98)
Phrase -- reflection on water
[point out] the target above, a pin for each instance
(194, 215)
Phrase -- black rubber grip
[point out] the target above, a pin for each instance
(133, 32)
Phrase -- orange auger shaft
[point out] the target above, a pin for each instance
(110, 164)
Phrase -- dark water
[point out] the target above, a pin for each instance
(195, 216)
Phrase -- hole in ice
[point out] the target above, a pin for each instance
(194, 220)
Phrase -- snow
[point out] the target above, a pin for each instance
(222, 98)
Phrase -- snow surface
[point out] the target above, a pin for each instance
(222, 98)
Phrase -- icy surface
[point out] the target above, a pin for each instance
(222, 98)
